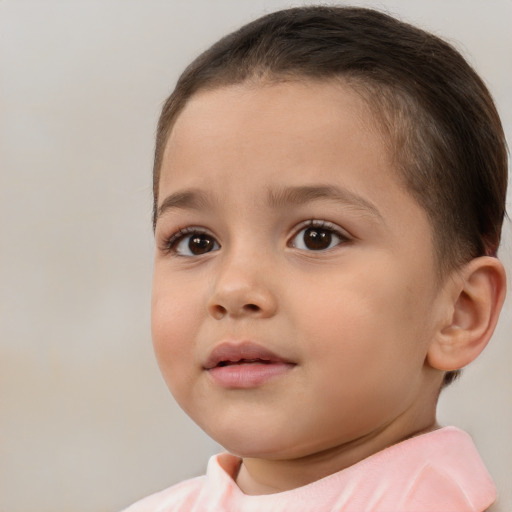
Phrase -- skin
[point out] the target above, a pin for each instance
(356, 319)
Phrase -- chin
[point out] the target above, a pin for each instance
(267, 447)
(253, 445)
(250, 447)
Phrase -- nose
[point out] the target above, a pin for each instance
(242, 289)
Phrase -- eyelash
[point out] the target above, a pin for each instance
(171, 244)
(324, 225)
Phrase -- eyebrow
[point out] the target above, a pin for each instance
(191, 199)
(196, 199)
(292, 196)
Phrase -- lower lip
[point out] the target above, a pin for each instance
(248, 375)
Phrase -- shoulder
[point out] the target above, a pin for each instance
(445, 472)
(437, 471)
(212, 491)
(177, 497)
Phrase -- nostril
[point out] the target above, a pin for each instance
(251, 307)
(219, 311)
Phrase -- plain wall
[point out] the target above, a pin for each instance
(86, 422)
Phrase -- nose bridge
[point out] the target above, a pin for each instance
(242, 284)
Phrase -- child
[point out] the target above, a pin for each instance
(329, 189)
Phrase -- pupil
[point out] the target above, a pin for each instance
(199, 244)
(317, 239)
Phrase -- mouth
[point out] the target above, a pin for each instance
(243, 361)
(245, 365)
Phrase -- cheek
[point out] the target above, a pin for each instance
(365, 325)
(173, 320)
(361, 345)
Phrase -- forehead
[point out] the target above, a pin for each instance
(286, 98)
(305, 131)
(286, 119)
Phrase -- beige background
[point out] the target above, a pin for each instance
(86, 423)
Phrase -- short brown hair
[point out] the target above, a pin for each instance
(438, 117)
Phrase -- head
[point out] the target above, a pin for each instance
(329, 190)
(436, 115)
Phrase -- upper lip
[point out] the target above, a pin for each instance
(232, 352)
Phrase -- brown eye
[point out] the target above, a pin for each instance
(200, 244)
(196, 245)
(315, 238)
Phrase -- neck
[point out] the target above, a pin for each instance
(266, 476)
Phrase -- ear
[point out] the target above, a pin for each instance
(474, 296)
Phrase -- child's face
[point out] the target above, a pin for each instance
(302, 259)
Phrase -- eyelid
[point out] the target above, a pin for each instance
(322, 224)
(337, 239)
(170, 243)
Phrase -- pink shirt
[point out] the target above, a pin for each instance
(436, 472)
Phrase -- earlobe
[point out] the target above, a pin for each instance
(474, 298)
